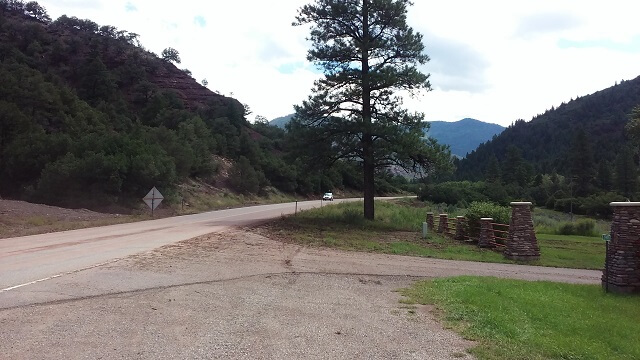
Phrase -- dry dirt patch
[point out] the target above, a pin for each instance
(20, 218)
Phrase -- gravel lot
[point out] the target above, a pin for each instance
(240, 295)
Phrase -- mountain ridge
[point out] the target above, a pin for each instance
(462, 136)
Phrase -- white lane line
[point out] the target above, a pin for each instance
(57, 276)
(104, 263)
(30, 283)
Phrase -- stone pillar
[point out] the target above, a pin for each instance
(521, 242)
(443, 224)
(622, 267)
(459, 228)
(430, 221)
(486, 233)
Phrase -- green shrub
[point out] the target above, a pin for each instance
(582, 227)
(586, 227)
(566, 229)
(244, 177)
(598, 204)
(477, 210)
(453, 192)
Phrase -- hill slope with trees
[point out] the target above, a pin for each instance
(89, 117)
(577, 158)
(546, 141)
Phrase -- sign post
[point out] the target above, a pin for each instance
(153, 199)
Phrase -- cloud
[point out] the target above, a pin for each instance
(200, 21)
(631, 46)
(130, 7)
(455, 66)
(290, 68)
(85, 4)
(545, 23)
(492, 60)
(270, 50)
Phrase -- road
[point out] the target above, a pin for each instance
(24, 260)
(204, 286)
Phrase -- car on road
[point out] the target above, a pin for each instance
(327, 196)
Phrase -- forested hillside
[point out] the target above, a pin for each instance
(88, 116)
(546, 141)
(575, 158)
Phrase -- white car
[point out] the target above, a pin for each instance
(327, 196)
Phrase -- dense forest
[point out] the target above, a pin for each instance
(576, 157)
(546, 141)
(88, 116)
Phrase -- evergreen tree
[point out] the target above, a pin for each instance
(492, 174)
(171, 54)
(515, 170)
(626, 173)
(632, 127)
(367, 52)
(582, 169)
(604, 178)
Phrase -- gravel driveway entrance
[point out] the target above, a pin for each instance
(238, 294)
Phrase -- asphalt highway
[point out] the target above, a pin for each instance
(29, 259)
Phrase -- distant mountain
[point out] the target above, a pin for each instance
(463, 136)
(281, 121)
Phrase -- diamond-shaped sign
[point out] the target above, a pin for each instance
(153, 198)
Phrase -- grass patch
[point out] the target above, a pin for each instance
(578, 252)
(397, 230)
(514, 319)
(552, 222)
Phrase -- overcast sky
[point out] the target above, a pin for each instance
(495, 61)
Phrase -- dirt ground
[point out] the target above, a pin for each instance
(234, 294)
(242, 295)
(15, 208)
(21, 218)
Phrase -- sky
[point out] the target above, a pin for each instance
(495, 61)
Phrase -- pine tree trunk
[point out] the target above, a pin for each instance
(367, 140)
(369, 181)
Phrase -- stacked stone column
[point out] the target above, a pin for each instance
(443, 224)
(521, 242)
(486, 233)
(459, 228)
(622, 269)
(430, 221)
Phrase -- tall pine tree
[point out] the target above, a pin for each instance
(626, 173)
(582, 166)
(368, 53)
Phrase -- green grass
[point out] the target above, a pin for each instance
(514, 319)
(397, 230)
(549, 221)
(579, 252)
